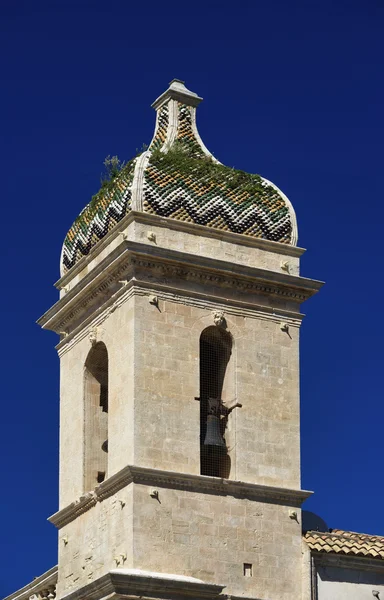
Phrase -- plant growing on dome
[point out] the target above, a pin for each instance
(113, 166)
(179, 158)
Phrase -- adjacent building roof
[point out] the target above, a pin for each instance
(178, 178)
(337, 541)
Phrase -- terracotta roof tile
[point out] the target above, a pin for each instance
(338, 541)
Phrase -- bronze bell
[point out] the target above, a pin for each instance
(213, 436)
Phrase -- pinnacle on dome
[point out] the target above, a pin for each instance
(177, 91)
(178, 178)
(176, 121)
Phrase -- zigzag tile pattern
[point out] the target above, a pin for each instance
(161, 129)
(338, 541)
(106, 209)
(193, 190)
(185, 134)
(186, 197)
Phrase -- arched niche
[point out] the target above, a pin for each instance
(96, 416)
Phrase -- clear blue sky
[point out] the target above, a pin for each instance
(292, 90)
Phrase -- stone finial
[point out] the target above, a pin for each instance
(177, 91)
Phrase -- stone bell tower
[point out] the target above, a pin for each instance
(179, 318)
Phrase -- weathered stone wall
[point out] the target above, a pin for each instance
(263, 435)
(72, 438)
(153, 421)
(95, 542)
(153, 417)
(211, 537)
(117, 332)
(203, 535)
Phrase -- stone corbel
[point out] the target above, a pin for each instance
(219, 319)
(48, 593)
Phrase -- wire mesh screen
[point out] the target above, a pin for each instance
(215, 351)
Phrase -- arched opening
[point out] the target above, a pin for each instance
(96, 416)
(215, 352)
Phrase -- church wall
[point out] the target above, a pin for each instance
(262, 374)
(72, 423)
(153, 358)
(118, 328)
(203, 535)
(166, 384)
(117, 334)
(91, 545)
(268, 436)
(205, 243)
(211, 537)
(335, 583)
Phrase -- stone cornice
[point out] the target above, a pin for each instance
(174, 480)
(175, 225)
(134, 260)
(74, 510)
(122, 583)
(177, 91)
(46, 582)
(166, 293)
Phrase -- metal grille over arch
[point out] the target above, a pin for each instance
(215, 353)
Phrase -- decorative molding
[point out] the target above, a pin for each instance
(174, 480)
(74, 510)
(177, 91)
(198, 138)
(137, 183)
(291, 210)
(133, 583)
(132, 259)
(41, 588)
(115, 483)
(166, 293)
(48, 593)
(222, 273)
(182, 226)
(172, 125)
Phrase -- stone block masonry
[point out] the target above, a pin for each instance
(209, 535)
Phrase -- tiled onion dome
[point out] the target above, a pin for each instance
(177, 177)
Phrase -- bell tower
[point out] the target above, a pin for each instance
(179, 318)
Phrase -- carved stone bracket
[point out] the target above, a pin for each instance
(48, 593)
(219, 319)
(92, 336)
